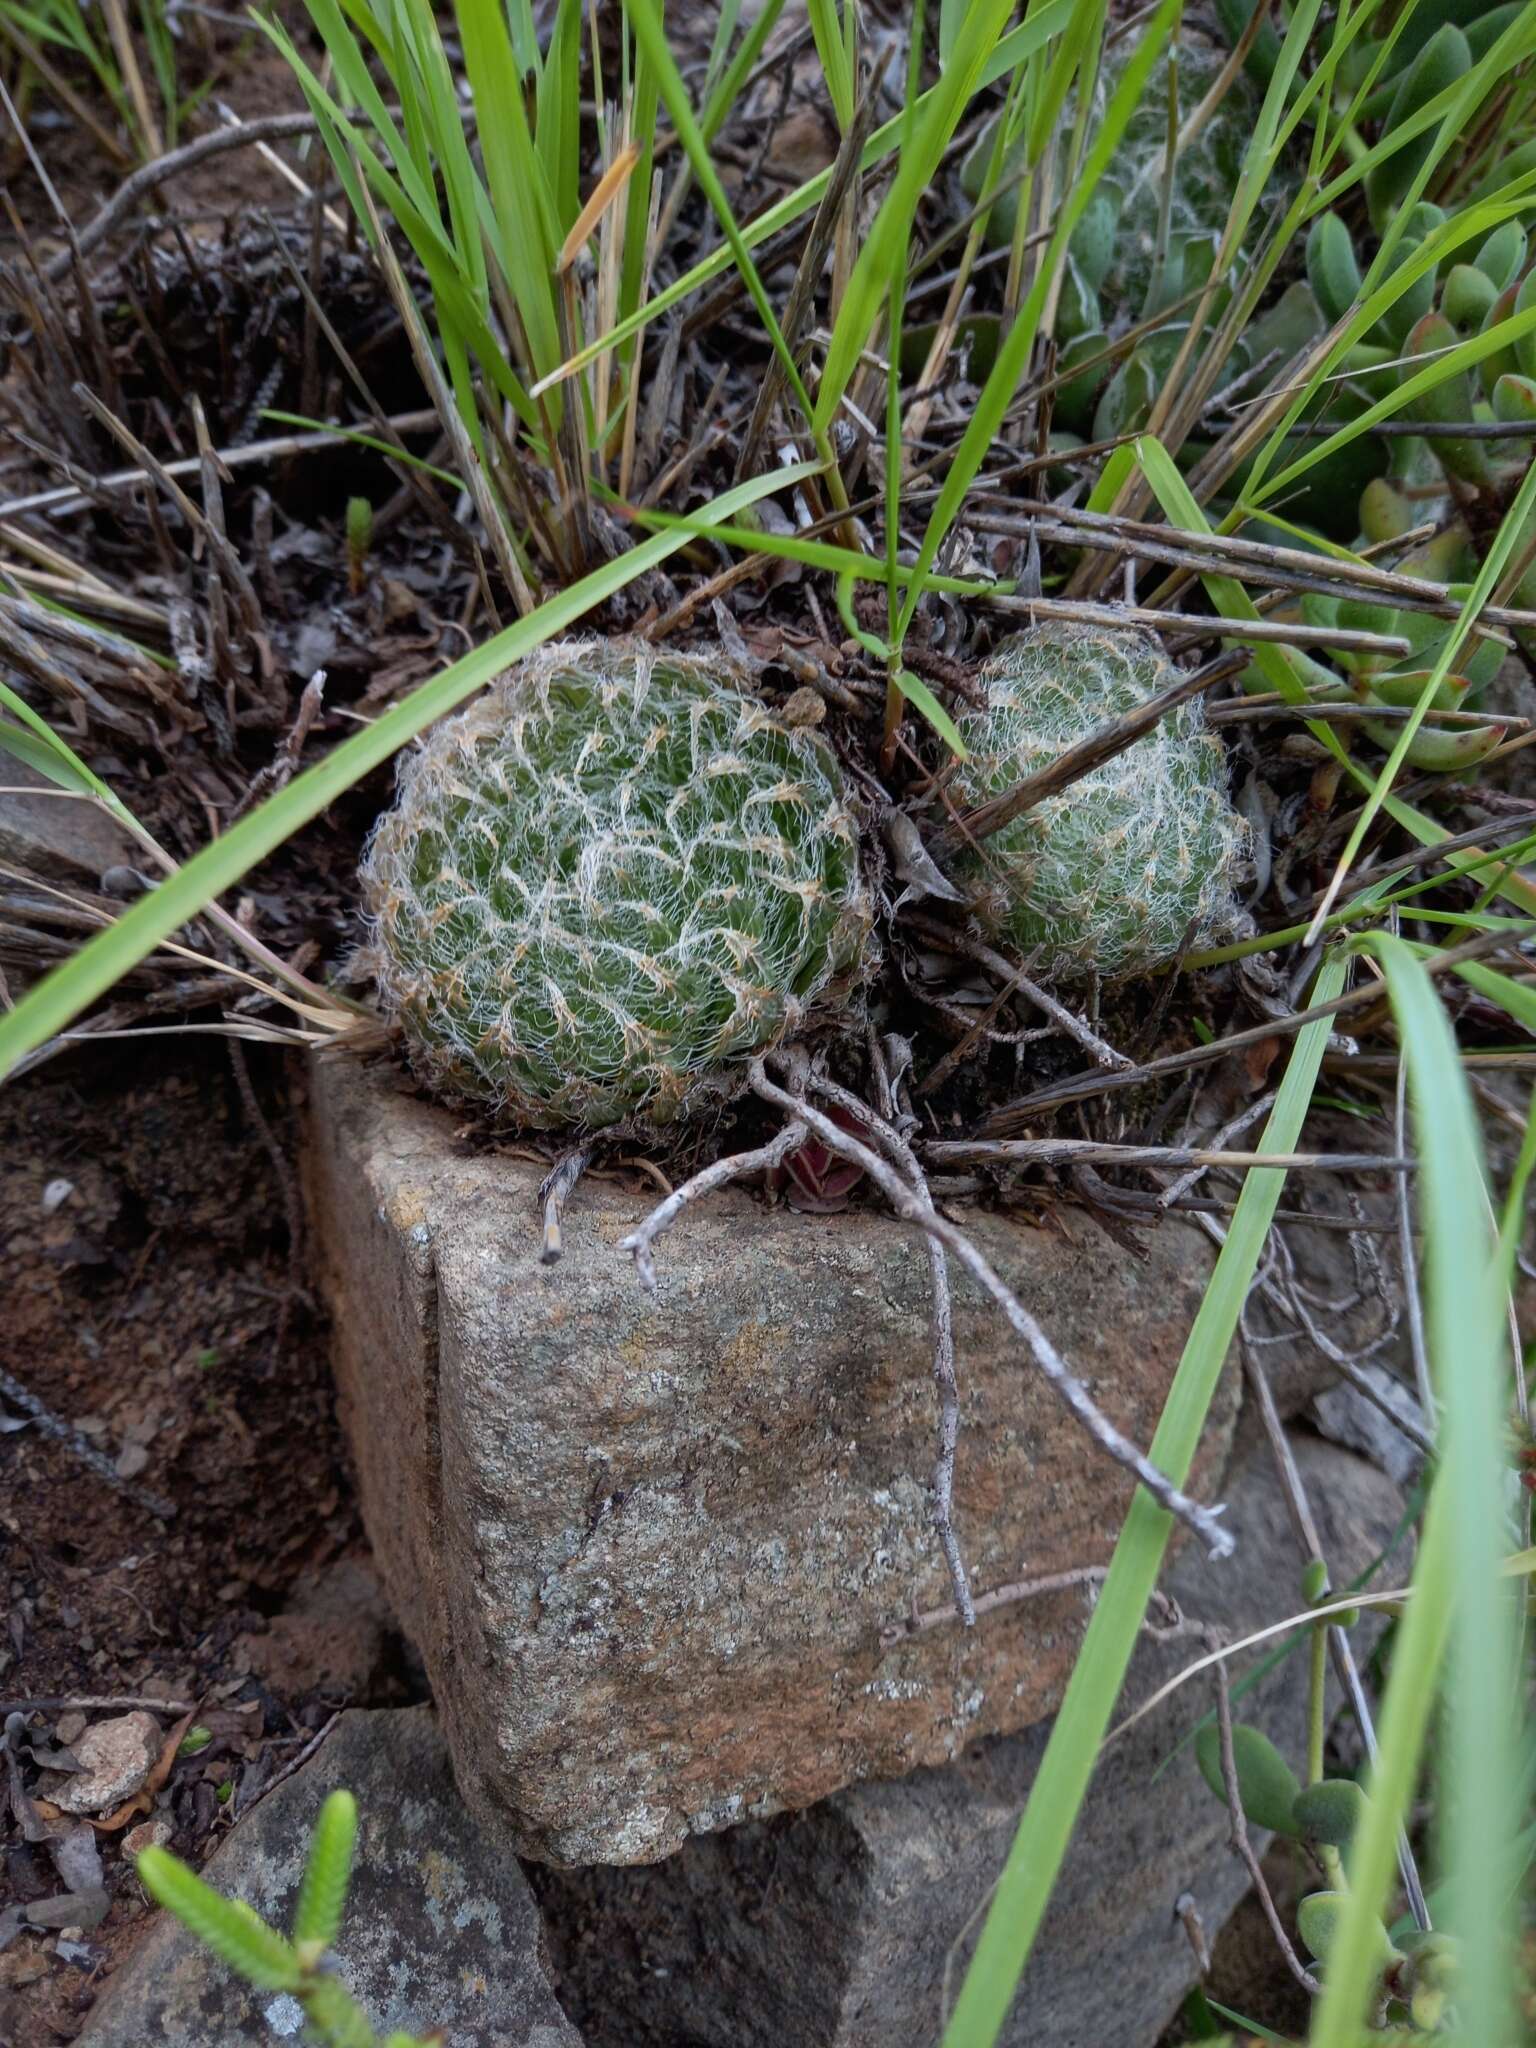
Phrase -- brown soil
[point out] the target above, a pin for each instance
(152, 1307)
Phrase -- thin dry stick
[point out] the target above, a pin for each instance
(117, 1702)
(97, 1461)
(1074, 1151)
(1047, 1359)
(1000, 1596)
(1018, 981)
(1240, 1842)
(74, 498)
(1080, 1087)
(266, 128)
(1230, 555)
(1197, 625)
(1233, 1128)
(1091, 752)
(555, 1191)
(943, 1338)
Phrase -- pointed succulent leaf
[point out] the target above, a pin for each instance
(1092, 245)
(323, 1894)
(1450, 402)
(1413, 303)
(1467, 296)
(1330, 1812)
(1443, 59)
(1332, 270)
(1077, 308)
(1128, 398)
(232, 1929)
(1514, 399)
(1266, 1783)
(1439, 750)
(1504, 361)
(1385, 514)
(1402, 688)
(1502, 256)
(1264, 50)
(1076, 396)
(1525, 345)
(1319, 1918)
(1484, 30)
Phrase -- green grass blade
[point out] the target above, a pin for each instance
(1458, 1601)
(1002, 384)
(1015, 47)
(645, 20)
(932, 121)
(1029, 1876)
(103, 960)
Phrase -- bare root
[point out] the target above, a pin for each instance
(910, 1208)
(737, 1167)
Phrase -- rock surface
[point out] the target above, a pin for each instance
(441, 1930)
(45, 829)
(648, 1549)
(836, 1926)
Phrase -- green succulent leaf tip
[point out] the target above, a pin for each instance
(1135, 861)
(323, 1894)
(607, 883)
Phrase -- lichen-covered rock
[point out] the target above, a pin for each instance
(440, 1929)
(1134, 861)
(609, 879)
(842, 1926)
(651, 1550)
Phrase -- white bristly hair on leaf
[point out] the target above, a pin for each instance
(606, 883)
(1113, 875)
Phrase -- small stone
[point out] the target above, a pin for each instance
(149, 1834)
(56, 836)
(77, 1859)
(69, 1729)
(116, 1757)
(804, 706)
(56, 1194)
(130, 1461)
(75, 1911)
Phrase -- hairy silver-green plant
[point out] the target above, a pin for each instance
(606, 884)
(1134, 861)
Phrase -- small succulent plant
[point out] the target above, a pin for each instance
(1126, 257)
(1461, 482)
(610, 879)
(1136, 860)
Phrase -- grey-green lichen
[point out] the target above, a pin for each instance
(606, 884)
(1135, 861)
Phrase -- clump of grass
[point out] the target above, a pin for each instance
(62, 43)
